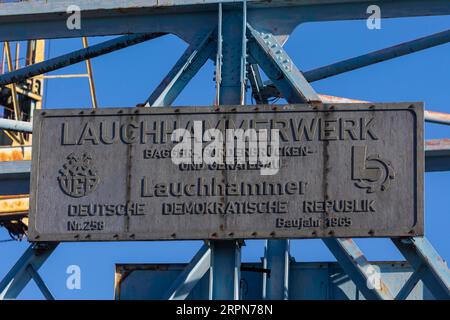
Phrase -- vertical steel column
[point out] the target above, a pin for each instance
(232, 57)
(277, 260)
(225, 270)
(226, 255)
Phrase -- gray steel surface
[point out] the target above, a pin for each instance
(346, 171)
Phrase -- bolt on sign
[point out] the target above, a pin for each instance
(295, 171)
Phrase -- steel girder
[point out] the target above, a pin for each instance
(277, 259)
(428, 265)
(183, 71)
(225, 270)
(378, 56)
(187, 280)
(355, 264)
(75, 57)
(16, 125)
(26, 269)
(111, 17)
(266, 51)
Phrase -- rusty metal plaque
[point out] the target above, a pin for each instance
(344, 170)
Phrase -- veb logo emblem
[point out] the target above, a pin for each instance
(78, 176)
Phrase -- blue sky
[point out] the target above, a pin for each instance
(126, 78)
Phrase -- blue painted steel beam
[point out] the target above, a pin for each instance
(437, 155)
(15, 125)
(279, 67)
(184, 70)
(378, 56)
(225, 270)
(14, 168)
(277, 260)
(308, 280)
(47, 19)
(40, 283)
(190, 276)
(420, 254)
(355, 264)
(232, 51)
(15, 177)
(18, 277)
(409, 286)
(75, 57)
(257, 84)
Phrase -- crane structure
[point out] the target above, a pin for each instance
(242, 38)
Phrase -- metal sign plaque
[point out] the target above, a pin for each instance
(345, 170)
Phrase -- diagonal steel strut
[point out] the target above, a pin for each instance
(75, 57)
(426, 261)
(356, 266)
(25, 269)
(184, 70)
(279, 67)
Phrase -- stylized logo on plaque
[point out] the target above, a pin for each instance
(78, 177)
(370, 172)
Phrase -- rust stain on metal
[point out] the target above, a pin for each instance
(13, 204)
(332, 99)
(436, 144)
(15, 154)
